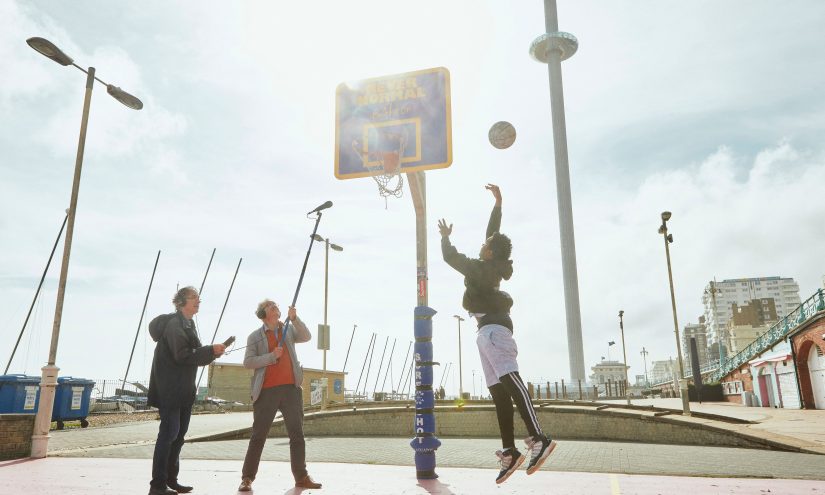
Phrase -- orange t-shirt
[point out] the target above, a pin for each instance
(279, 373)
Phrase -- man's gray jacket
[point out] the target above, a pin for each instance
(258, 356)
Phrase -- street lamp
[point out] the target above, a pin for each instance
(335, 247)
(460, 379)
(624, 355)
(42, 423)
(644, 354)
(682, 382)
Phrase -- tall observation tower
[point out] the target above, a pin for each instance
(551, 48)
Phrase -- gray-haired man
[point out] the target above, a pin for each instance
(178, 354)
(276, 386)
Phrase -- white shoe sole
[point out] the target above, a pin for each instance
(543, 458)
(519, 462)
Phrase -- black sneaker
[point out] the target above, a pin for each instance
(540, 448)
(510, 461)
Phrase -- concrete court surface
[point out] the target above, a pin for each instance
(85, 476)
(569, 456)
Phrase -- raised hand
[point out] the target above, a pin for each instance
(496, 192)
(443, 229)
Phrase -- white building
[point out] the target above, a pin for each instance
(784, 292)
(663, 371)
(613, 371)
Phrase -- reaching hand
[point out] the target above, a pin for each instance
(443, 229)
(496, 192)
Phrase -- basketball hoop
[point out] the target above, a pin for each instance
(385, 163)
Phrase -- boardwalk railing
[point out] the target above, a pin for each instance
(776, 333)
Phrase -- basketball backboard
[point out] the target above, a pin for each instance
(401, 120)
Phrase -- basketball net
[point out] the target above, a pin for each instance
(385, 164)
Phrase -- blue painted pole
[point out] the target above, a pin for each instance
(425, 442)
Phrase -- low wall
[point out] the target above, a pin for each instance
(571, 423)
(16, 435)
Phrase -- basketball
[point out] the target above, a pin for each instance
(502, 134)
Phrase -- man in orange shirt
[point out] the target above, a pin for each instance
(276, 386)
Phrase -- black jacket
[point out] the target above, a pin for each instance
(482, 278)
(178, 353)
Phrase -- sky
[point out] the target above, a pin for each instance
(711, 110)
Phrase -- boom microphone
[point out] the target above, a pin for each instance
(324, 206)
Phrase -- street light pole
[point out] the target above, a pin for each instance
(644, 357)
(683, 390)
(43, 419)
(624, 355)
(335, 247)
(326, 297)
(460, 376)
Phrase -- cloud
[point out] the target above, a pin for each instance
(235, 143)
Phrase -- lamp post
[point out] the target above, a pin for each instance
(624, 355)
(42, 424)
(335, 247)
(682, 382)
(644, 354)
(460, 376)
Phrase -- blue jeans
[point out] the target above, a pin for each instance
(174, 422)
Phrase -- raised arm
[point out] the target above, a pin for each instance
(494, 225)
(300, 332)
(458, 261)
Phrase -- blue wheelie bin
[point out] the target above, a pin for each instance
(19, 394)
(71, 400)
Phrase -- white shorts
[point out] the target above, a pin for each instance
(498, 351)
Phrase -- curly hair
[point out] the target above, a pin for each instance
(501, 246)
(179, 300)
(260, 311)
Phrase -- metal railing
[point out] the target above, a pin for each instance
(703, 370)
(112, 395)
(707, 368)
(776, 333)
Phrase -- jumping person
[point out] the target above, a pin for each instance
(490, 306)
(178, 354)
(276, 386)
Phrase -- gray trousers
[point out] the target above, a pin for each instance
(287, 399)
